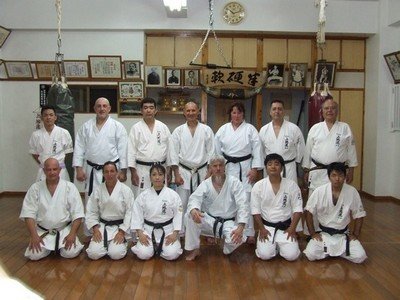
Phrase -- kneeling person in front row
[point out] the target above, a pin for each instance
(53, 211)
(108, 216)
(219, 208)
(157, 219)
(276, 206)
(334, 205)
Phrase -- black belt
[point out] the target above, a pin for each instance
(57, 232)
(222, 221)
(157, 250)
(109, 223)
(98, 168)
(193, 171)
(318, 165)
(279, 225)
(285, 163)
(333, 231)
(235, 160)
(150, 164)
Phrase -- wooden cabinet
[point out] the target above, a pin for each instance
(353, 55)
(160, 51)
(185, 50)
(214, 56)
(299, 51)
(331, 51)
(275, 51)
(244, 53)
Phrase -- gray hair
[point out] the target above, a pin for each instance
(216, 157)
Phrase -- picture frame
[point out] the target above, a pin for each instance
(4, 34)
(131, 89)
(132, 69)
(105, 66)
(18, 69)
(128, 108)
(191, 77)
(153, 76)
(172, 77)
(325, 73)
(297, 75)
(76, 69)
(44, 69)
(275, 72)
(393, 63)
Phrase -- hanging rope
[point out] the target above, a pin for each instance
(219, 47)
(321, 23)
(59, 57)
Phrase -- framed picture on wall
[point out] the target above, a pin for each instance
(325, 73)
(393, 62)
(129, 108)
(45, 69)
(106, 67)
(132, 69)
(275, 75)
(153, 76)
(4, 33)
(76, 69)
(172, 77)
(18, 69)
(192, 77)
(131, 89)
(297, 74)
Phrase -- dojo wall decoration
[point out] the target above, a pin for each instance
(393, 63)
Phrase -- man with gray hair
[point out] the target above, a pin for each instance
(99, 140)
(217, 208)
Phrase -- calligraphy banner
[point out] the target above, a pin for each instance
(232, 78)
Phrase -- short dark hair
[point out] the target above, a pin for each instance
(274, 156)
(239, 106)
(160, 168)
(277, 101)
(110, 163)
(47, 107)
(338, 167)
(148, 100)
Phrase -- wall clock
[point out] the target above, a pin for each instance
(233, 13)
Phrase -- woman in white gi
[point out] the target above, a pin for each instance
(157, 219)
(240, 145)
(108, 216)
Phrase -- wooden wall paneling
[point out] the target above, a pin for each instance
(299, 50)
(154, 55)
(185, 50)
(275, 51)
(336, 96)
(214, 56)
(204, 97)
(244, 53)
(353, 55)
(352, 112)
(331, 52)
(259, 99)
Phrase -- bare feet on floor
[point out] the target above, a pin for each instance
(193, 254)
(251, 240)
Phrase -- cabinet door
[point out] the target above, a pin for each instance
(352, 112)
(185, 50)
(160, 51)
(299, 51)
(214, 56)
(331, 52)
(275, 51)
(353, 55)
(244, 53)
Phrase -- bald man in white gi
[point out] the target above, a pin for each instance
(334, 205)
(277, 206)
(217, 208)
(50, 141)
(147, 146)
(53, 211)
(190, 148)
(284, 138)
(99, 140)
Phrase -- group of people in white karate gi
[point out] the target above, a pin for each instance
(217, 193)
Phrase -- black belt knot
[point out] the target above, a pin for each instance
(332, 231)
(150, 164)
(157, 250)
(235, 160)
(95, 167)
(193, 171)
(53, 231)
(279, 225)
(109, 223)
(222, 221)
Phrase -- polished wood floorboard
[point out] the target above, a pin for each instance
(213, 275)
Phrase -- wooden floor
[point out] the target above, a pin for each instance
(213, 275)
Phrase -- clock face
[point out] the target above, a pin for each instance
(233, 13)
